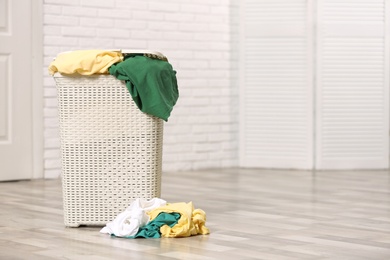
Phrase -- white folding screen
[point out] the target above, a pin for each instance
(314, 84)
(276, 97)
(352, 84)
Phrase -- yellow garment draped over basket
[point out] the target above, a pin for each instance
(85, 62)
(192, 222)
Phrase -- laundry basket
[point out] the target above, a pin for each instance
(111, 151)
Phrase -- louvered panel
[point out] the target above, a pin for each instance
(352, 100)
(354, 11)
(276, 96)
(273, 10)
(274, 18)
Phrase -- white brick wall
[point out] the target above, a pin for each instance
(198, 37)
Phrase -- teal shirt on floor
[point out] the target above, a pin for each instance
(152, 84)
(152, 229)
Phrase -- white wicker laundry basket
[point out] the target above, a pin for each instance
(111, 151)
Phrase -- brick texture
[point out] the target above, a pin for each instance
(200, 40)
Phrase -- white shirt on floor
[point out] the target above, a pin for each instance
(128, 222)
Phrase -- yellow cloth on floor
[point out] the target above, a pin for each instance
(192, 222)
(85, 62)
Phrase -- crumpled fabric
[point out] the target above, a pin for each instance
(152, 229)
(192, 221)
(135, 216)
(84, 62)
(151, 83)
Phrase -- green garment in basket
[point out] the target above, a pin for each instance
(152, 229)
(152, 84)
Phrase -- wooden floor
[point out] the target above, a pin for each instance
(252, 214)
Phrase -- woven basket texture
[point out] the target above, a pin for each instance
(111, 151)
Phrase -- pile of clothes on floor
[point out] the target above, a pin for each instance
(156, 218)
(150, 79)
